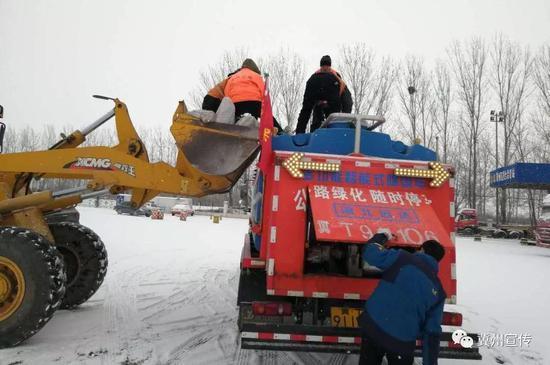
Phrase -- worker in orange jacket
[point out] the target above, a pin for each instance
(245, 87)
(213, 99)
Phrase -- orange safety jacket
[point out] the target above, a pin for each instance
(218, 90)
(333, 71)
(245, 85)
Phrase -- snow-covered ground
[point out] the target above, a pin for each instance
(170, 298)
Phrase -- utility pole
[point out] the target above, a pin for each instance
(497, 117)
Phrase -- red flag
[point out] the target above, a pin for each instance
(265, 133)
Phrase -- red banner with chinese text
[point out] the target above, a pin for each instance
(354, 214)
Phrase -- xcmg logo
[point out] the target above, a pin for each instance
(93, 163)
(90, 163)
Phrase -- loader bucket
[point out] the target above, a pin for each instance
(213, 150)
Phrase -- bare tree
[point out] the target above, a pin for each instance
(286, 86)
(442, 103)
(369, 79)
(416, 100)
(10, 141)
(381, 97)
(468, 61)
(526, 149)
(48, 136)
(358, 70)
(541, 78)
(459, 158)
(511, 69)
(485, 167)
(29, 140)
(541, 126)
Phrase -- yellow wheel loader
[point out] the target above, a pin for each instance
(46, 265)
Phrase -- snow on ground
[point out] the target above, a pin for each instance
(503, 288)
(170, 298)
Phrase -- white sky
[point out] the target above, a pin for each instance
(54, 54)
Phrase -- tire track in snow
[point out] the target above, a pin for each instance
(203, 309)
(178, 354)
(121, 322)
(120, 306)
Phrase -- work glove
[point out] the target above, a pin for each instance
(381, 237)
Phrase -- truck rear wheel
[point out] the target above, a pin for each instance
(468, 231)
(85, 261)
(32, 284)
(516, 235)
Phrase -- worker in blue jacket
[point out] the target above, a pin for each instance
(407, 304)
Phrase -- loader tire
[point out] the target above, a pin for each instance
(85, 260)
(32, 284)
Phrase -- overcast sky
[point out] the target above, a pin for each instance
(54, 54)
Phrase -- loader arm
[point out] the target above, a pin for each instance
(126, 165)
(105, 168)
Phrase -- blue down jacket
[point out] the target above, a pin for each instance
(407, 303)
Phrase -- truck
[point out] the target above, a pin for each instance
(466, 221)
(302, 283)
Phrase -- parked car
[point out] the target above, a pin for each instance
(125, 207)
(182, 208)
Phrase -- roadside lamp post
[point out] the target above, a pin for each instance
(496, 117)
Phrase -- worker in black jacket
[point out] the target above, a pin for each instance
(326, 93)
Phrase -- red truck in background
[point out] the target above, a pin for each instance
(302, 284)
(466, 221)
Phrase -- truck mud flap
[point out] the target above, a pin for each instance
(331, 339)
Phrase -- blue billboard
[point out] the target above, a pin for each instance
(522, 175)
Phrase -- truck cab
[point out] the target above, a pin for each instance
(466, 221)
(303, 283)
